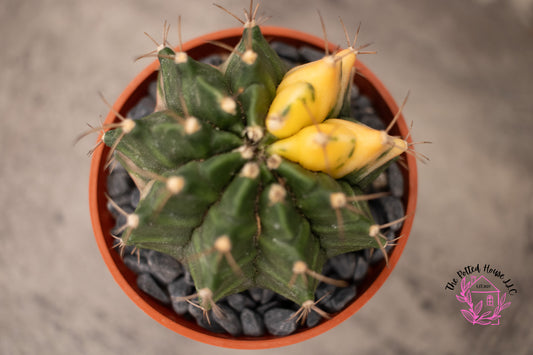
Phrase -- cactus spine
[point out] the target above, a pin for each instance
(248, 175)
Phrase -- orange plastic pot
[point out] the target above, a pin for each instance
(103, 221)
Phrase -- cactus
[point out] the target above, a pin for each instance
(251, 175)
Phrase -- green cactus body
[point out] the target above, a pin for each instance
(314, 193)
(159, 142)
(167, 218)
(215, 198)
(286, 239)
(232, 222)
(197, 89)
(254, 70)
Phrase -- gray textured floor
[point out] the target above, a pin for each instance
(469, 66)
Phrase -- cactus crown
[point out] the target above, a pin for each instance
(250, 174)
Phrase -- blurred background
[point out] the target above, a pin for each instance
(469, 67)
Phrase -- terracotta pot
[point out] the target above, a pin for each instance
(103, 221)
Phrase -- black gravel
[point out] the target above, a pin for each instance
(286, 51)
(256, 293)
(252, 323)
(361, 268)
(309, 54)
(137, 263)
(395, 180)
(267, 296)
(313, 319)
(393, 208)
(145, 107)
(278, 321)
(343, 265)
(135, 198)
(372, 120)
(119, 186)
(164, 267)
(176, 290)
(257, 311)
(147, 283)
(374, 256)
(206, 321)
(240, 301)
(229, 319)
(339, 299)
(214, 60)
(262, 309)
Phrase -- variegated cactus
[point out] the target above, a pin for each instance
(251, 175)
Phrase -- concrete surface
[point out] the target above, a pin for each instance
(469, 66)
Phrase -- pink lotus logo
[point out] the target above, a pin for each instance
(485, 301)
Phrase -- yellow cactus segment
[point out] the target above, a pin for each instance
(324, 147)
(339, 147)
(347, 57)
(313, 72)
(397, 146)
(322, 78)
(288, 111)
(371, 143)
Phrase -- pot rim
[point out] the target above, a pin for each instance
(100, 215)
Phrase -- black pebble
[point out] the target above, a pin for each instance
(135, 197)
(267, 296)
(361, 269)
(240, 301)
(252, 323)
(374, 256)
(137, 263)
(377, 211)
(118, 184)
(344, 265)
(214, 60)
(324, 291)
(354, 94)
(188, 278)
(395, 179)
(309, 54)
(152, 90)
(206, 321)
(313, 319)
(289, 64)
(362, 102)
(180, 288)
(114, 212)
(381, 183)
(194, 311)
(372, 120)
(340, 299)
(120, 221)
(262, 309)
(256, 293)
(278, 321)
(328, 269)
(164, 267)
(143, 108)
(124, 202)
(394, 210)
(146, 283)
(285, 50)
(229, 320)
